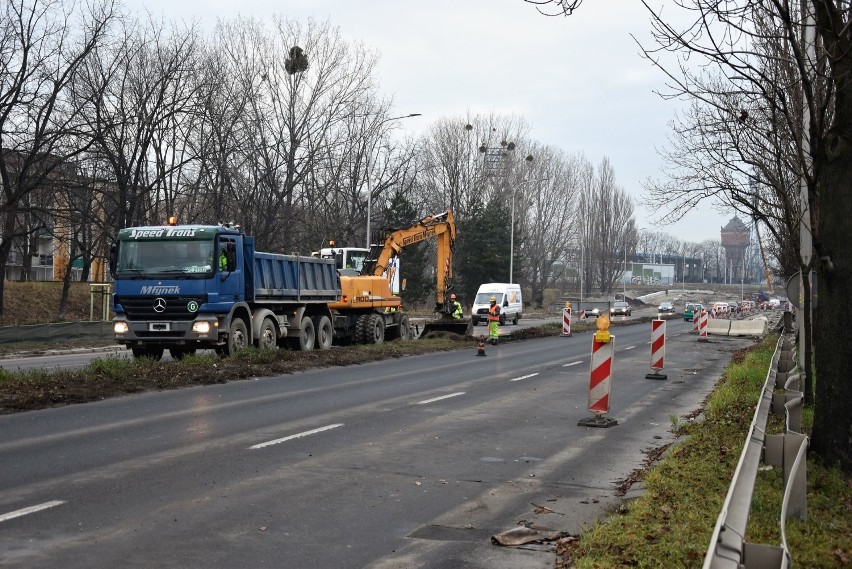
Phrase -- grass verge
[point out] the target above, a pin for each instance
(113, 376)
(670, 525)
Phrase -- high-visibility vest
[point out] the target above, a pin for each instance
(494, 313)
(457, 309)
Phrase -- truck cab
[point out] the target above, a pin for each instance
(189, 287)
(173, 284)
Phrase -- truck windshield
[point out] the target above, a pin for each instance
(174, 257)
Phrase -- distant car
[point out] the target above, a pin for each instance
(721, 308)
(666, 307)
(622, 308)
(691, 309)
(593, 313)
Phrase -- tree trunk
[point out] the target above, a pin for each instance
(66, 282)
(832, 431)
(807, 312)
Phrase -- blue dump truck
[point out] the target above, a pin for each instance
(187, 287)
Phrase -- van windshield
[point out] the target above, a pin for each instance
(485, 297)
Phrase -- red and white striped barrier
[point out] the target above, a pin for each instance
(566, 321)
(582, 315)
(658, 349)
(702, 327)
(695, 317)
(599, 384)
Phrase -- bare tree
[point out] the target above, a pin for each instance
(136, 90)
(42, 47)
(773, 83)
(608, 227)
(545, 208)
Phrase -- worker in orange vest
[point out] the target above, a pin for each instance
(493, 321)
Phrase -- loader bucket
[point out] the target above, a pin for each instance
(462, 327)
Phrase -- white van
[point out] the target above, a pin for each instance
(508, 297)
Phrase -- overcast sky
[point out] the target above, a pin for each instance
(579, 82)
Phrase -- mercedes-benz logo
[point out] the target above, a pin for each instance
(159, 305)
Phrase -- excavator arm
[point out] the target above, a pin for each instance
(441, 227)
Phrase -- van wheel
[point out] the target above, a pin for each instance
(474, 320)
(515, 319)
(502, 319)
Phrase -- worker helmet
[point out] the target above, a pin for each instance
(453, 296)
(493, 299)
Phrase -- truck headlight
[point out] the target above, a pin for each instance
(201, 327)
(120, 328)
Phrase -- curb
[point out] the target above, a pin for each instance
(60, 352)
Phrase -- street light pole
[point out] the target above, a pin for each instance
(529, 160)
(512, 240)
(367, 169)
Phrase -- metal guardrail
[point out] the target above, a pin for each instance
(728, 547)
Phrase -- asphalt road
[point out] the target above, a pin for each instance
(79, 358)
(413, 462)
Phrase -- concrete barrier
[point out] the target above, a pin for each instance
(718, 326)
(754, 327)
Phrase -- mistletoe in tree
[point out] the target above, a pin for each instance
(297, 62)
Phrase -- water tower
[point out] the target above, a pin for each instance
(735, 240)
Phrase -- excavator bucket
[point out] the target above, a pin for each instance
(462, 327)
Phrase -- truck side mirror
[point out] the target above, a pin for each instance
(231, 256)
(113, 258)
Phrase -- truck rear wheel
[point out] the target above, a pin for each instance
(324, 331)
(305, 340)
(268, 337)
(376, 329)
(404, 330)
(238, 338)
(370, 329)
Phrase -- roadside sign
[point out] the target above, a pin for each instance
(795, 291)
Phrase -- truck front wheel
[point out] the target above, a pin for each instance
(238, 338)
(153, 352)
(180, 353)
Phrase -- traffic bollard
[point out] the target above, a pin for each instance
(658, 349)
(481, 346)
(600, 377)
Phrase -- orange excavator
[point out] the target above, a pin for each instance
(371, 311)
